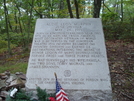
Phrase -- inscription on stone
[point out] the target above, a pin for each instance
(72, 48)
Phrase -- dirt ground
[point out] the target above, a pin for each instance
(121, 63)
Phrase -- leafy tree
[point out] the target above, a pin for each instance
(69, 8)
(7, 31)
(97, 7)
(19, 16)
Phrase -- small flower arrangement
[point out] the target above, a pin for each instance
(21, 95)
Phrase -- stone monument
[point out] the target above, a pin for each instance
(75, 50)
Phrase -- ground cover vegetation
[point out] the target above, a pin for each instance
(17, 22)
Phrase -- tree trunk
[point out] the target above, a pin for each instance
(105, 7)
(7, 30)
(103, 2)
(49, 6)
(39, 3)
(61, 7)
(52, 4)
(10, 26)
(19, 19)
(16, 21)
(69, 8)
(121, 10)
(29, 24)
(97, 7)
(77, 9)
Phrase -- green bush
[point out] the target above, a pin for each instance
(110, 17)
(18, 38)
(21, 95)
(14, 67)
(4, 46)
(118, 30)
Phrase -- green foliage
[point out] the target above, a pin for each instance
(118, 30)
(20, 96)
(42, 94)
(14, 67)
(3, 45)
(19, 16)
(23, 96)
(18, 38)
(118, 22)
(110, 17)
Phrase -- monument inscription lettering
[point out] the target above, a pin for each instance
(72, 48)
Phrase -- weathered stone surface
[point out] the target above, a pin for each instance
(34, 96)
(3, 76)
(2, 84)
(21, 75)
(7, 73)
(74, 49)
(14, 81)
(87, 95)
(0, 98)
(4, 94)
(9, 81)
(91, 95)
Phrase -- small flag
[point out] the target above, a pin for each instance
(60, 93)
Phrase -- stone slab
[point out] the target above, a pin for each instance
(75, 50)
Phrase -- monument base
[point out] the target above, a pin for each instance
(88, 95)
(81, 95)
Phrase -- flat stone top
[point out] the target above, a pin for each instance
(74, 49)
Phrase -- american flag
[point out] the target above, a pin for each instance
(60, 93)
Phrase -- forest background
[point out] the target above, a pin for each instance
(17, 22)
(18, 17)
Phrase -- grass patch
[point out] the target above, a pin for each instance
(13, 68)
